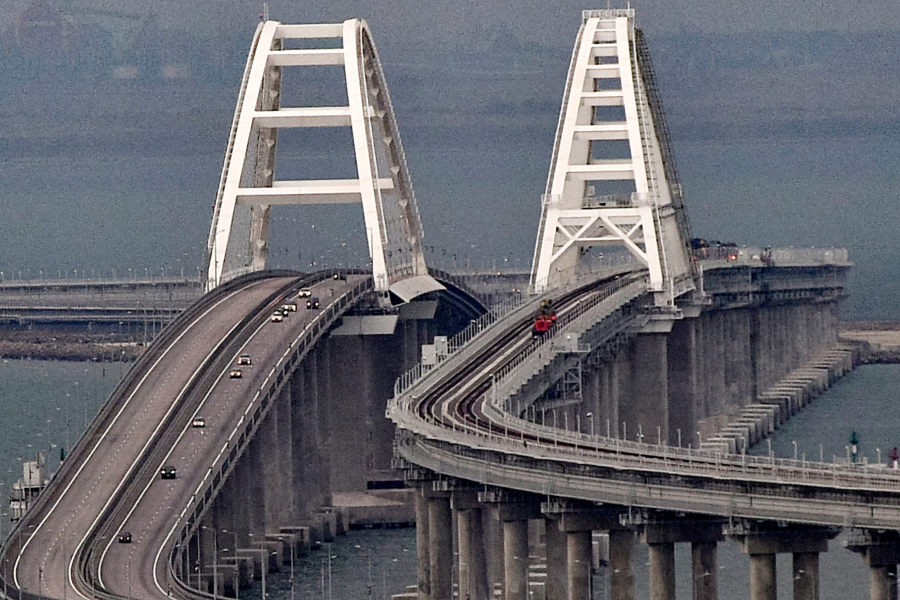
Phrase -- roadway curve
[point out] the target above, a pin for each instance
(68, 542)
(451, 424)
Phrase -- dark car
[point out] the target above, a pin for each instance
(340, 276)
(168, 472)
(198, 422)
(236, 374)
(312, 303)
(125, 537)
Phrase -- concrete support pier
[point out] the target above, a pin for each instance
(662, 571)
(661, 531)
(881, 552)
(704, 569)
(621, 575)
(764, 540)
(472, 564)
(578, 556)
(440, 545)
(806, 576)
(762, 576)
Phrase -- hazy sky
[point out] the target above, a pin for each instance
(783, 115)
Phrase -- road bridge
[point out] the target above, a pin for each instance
(492, 419)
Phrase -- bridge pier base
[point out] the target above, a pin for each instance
(662, 571)
(621, 575)
(881, 552)
(762, 577)
(579, 556)
(762, 541)
(423, 561)
(472, 565)
(704, 570)
(440, 545)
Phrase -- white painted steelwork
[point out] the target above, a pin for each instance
(608, 182)
(238, 236)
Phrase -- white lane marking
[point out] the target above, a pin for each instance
(97, 445)
(175, 445)
(225, 447)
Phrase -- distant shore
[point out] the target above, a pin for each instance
(68, 346)
(881, 337)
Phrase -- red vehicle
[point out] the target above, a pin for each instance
(544, 320)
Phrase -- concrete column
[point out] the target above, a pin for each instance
(440, 547)
(806, 576)
(621, 578)
(648, 405)
(423, 561)
(682, 379)
(464, 543)
(578, 556)
(557, 552)
(323, 419)
(762, 577)
(515, 559)
(472, 567)
(662, 571)
(883, 583)
(348, 433)
(704, 570)
(492, 528)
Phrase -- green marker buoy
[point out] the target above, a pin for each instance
(854, 446)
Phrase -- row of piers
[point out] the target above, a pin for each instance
(679, 382)
(326, 437)
(476, 543)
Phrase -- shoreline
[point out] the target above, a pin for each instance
(879, 340)
(68, 346)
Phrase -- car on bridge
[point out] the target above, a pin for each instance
(304, 293)
(125, 537)
(236, 374)
(289, 307)
(312, 303)
(168, 472)
(277, 317)
(244, 360)
(198, 422)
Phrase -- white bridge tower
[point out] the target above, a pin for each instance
(238, 237)
(612, 181)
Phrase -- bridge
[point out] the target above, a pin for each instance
(221, 454)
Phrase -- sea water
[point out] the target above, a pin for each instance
(45, 405)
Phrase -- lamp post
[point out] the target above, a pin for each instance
(590, 416)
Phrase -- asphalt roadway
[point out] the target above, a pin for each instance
(45, 563)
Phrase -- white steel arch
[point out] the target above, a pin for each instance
(607, 139)
(248, 187)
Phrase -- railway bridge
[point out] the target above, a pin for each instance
(219, 455)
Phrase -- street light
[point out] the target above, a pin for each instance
(590, 416)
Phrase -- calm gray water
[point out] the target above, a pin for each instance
(45, 405)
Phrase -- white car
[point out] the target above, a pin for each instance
(277, 317)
